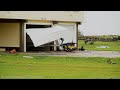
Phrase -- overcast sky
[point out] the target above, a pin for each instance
(101, 23)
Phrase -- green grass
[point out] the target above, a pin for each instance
(49, 67)
(114, 46)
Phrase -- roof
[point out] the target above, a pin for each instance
(74, 16)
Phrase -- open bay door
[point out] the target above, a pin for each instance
(69, 34)
(42, 36)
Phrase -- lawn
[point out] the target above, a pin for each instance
(114, 46)
(49, 67)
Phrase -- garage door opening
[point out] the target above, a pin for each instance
(29, 43)
(43, 37)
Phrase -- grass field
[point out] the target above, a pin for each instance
(49, 67)
(114, 46)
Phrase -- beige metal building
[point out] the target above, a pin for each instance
(13, 25)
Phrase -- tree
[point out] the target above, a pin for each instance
(118, 37)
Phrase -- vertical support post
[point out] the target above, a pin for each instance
(76, 35)
(24, 37)
(21, 37)
(55, 47)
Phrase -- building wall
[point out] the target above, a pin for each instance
(12, 34)
(9, 35)
(74, 16)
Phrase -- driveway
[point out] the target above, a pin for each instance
(109, 54)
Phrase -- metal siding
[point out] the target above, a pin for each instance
(9, 35)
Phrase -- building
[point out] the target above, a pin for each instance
(13, 26)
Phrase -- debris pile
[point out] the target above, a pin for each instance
(110, 62)
(13, 51)
(27, 56)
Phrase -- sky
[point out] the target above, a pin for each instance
(101, 23)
